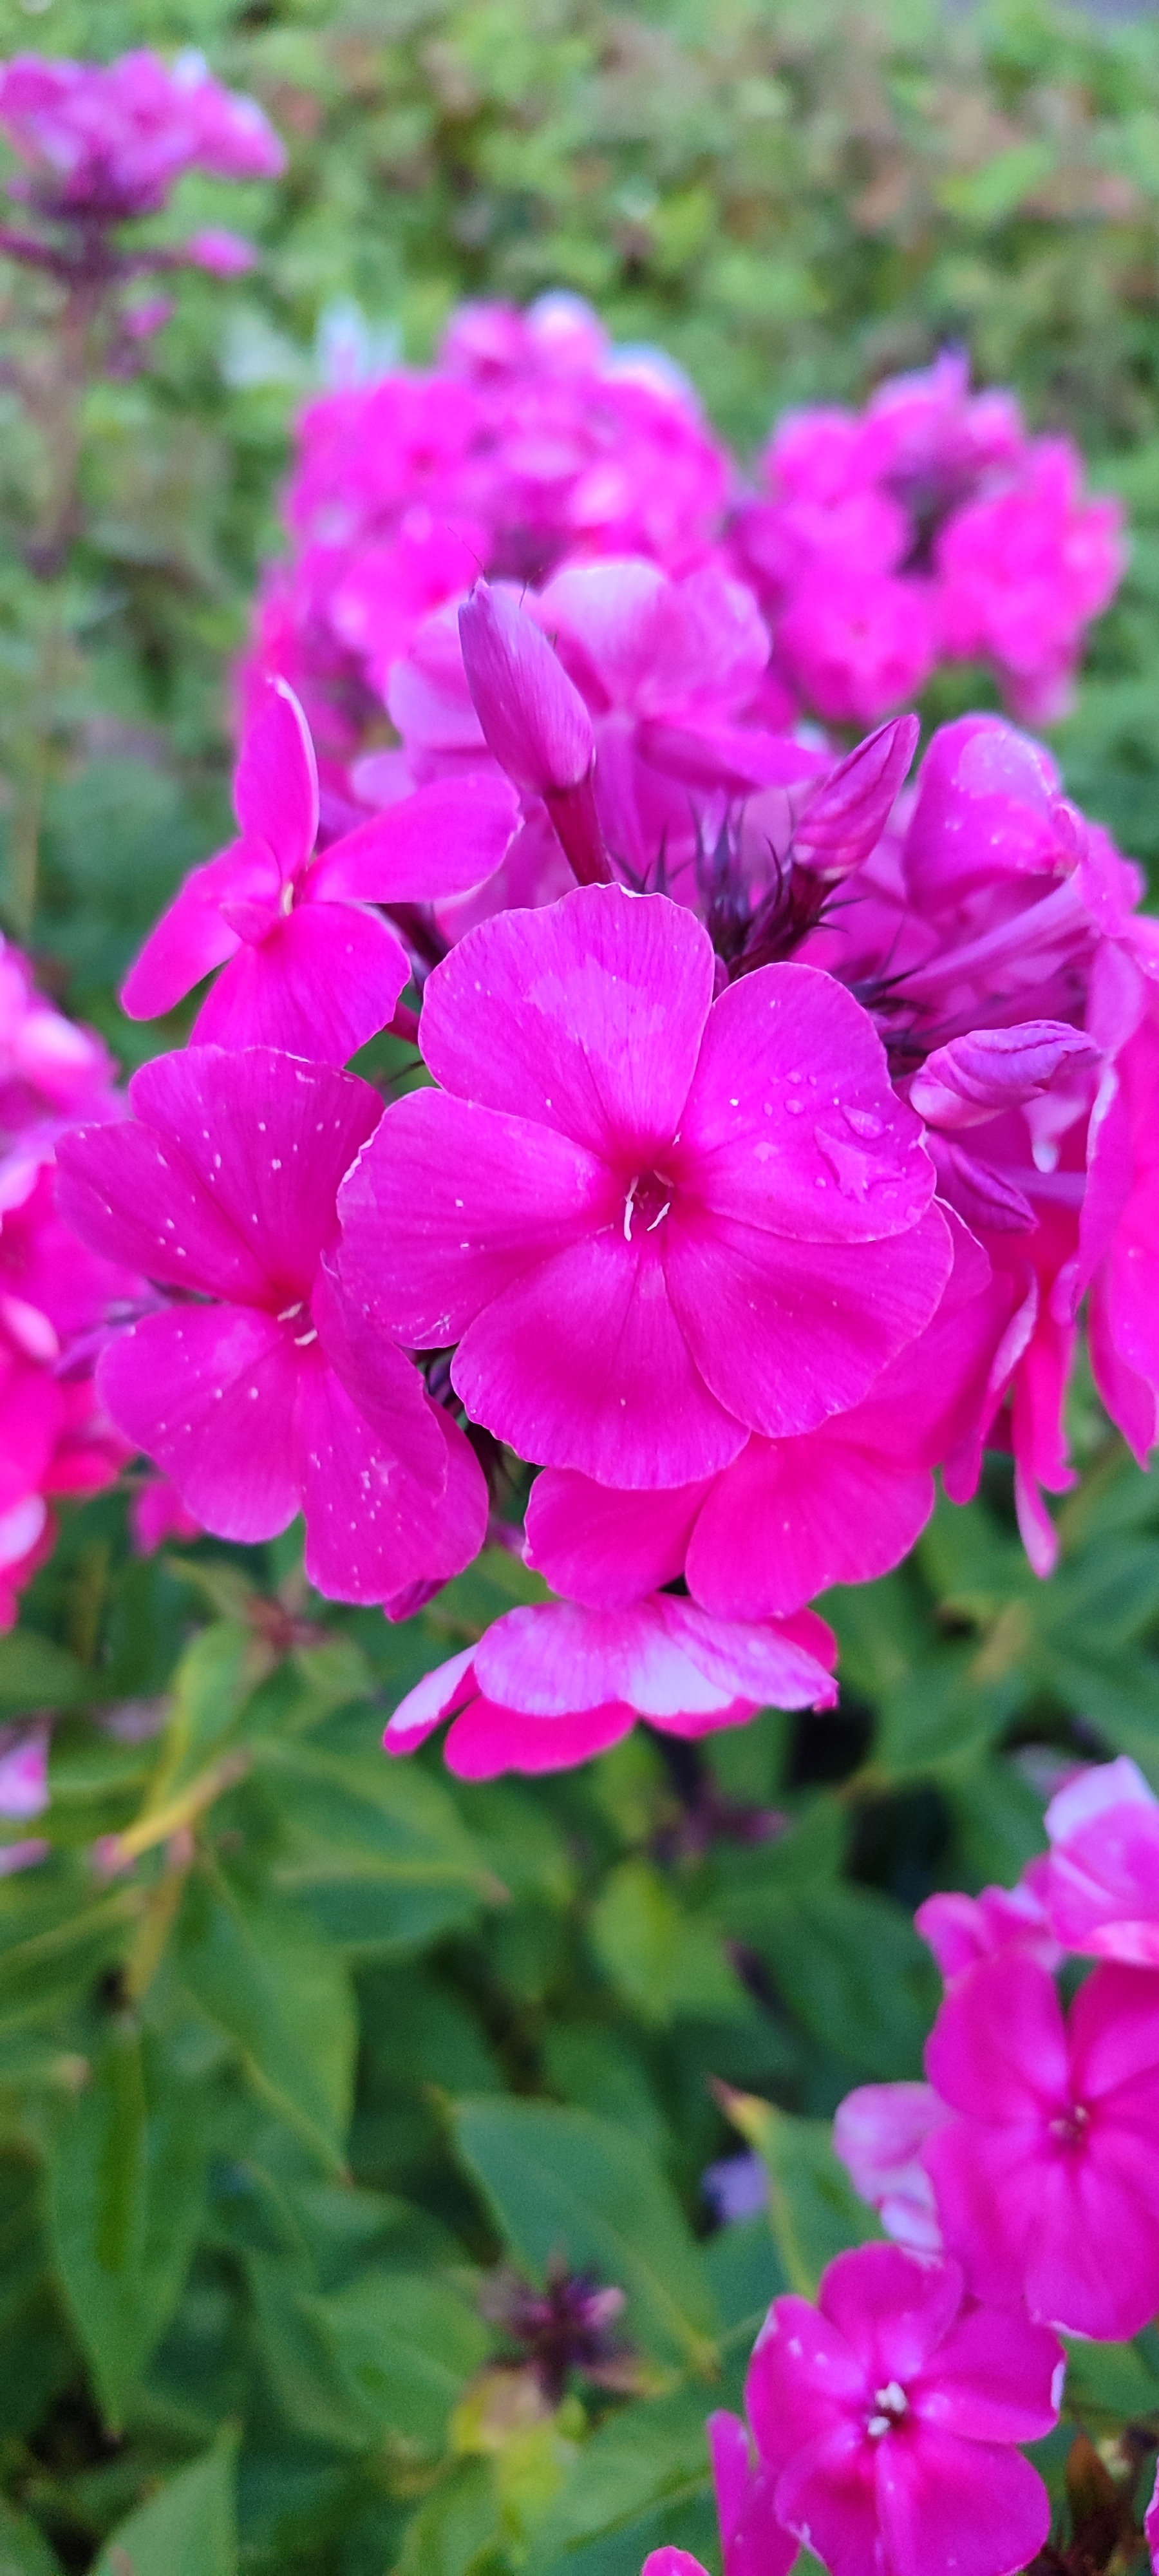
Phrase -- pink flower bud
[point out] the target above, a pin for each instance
(535, 721)
(221, 253)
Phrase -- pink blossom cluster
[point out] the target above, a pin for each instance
(103, 145)
(876, 545)
(929, 527)
(775, 1120)
(886, 2419)
(55, 1295)
(1029, 2154)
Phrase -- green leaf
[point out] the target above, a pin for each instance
(24, 2551)
(1111, 2382)
(34, 1673)
(189, 2529)
(648, 2453)
(300, 2359)
(126, 2175)
(815, 2211)
(457, 2527)
(406, 2342)
(280, 1991)
(666, 1964)
(849, 1963)
(97, 2201)
(562, 2182)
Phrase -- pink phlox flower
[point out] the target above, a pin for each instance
(1120, 1240)
(24, 1770)
(961, 1930)
(552, 1683)
(1101, 1882)
(753, 2542)
(49, 1067)
(841, 1503)
(889, 2414)
(932, 441)
(110, 140)
(157, 1514)
(1022, 571)
(308, 966)
(250, 1390)
(387, 589)
(651, 1221)
(1045, 2176)
(853, 644)
(219, 253)
(879, 2131)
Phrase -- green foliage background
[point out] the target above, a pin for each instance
(346, 2033)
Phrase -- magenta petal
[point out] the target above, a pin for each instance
(791, 1123)
(892, 2307)
(802, 2379)
(603, 1547)
(998, 2049)
(755, 1660)
(325, 980)
(582, 1363)
(791, 1517)
(131, 1195)
(995, 2377)
(1115, 2032)
(371, 1528)
(275, 788)
(269, 1138)
(585, 1017)
(487, 1739)
(450, 1204)
(383, 1383)
(787, 1333)
(192, 937)
(828, 2491)
(553, 1659)
(441, 841)
(208, 1393)
(951, 2508)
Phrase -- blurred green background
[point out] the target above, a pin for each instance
(347, 2032)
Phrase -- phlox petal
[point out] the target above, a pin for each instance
(953, 2508)
(276, 784)
(193, 935)
(445, 839)
(208, 1393)
(321, 983)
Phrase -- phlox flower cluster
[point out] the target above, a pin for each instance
(775, 1120)
(1029, 2155)
(929, 527)
(870, 547)
(56, 1296)
(104, 145)
(885, 2420)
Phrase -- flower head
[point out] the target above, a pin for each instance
(552, 1683)
(1100, 1885)
(1045, 2175)
(886, 2420)
(110, 140)
(651, 1221)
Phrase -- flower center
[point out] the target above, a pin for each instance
(649, 1198)
(1071, 2126)
(300, 1317)
(890, 2408)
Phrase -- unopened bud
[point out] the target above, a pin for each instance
(534, 720)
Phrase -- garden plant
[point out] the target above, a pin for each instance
(579, 1291)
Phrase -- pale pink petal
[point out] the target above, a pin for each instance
(773, 1664)
(269, 1138)
(208, 1393)
(603, 1547)
(324, 981)
(451, 1204)
(787, 1333)
(423, 1708)
(791, 1124)
(586, 1017)
(443, 840)
(555, 1658)
(878, 2132)
(582, 1363)
(275, 788)
(951, 2508)
(193, 936)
